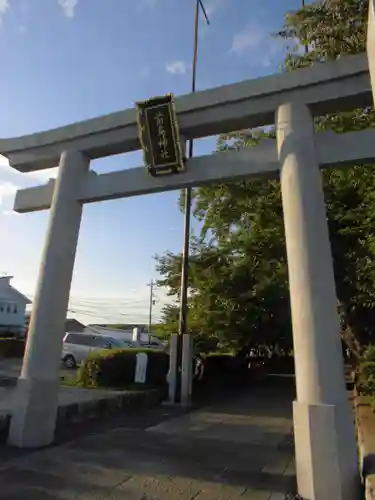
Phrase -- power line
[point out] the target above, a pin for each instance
(137, 305)
(107, 301)
(142, 319)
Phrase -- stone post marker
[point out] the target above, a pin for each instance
(187, 369)
(141, 368)
(172, 373)
(136, 335)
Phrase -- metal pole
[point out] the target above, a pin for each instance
(151, 285)
(187, 210)
(306, 46)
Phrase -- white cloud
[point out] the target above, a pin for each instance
(176, 68)
(4, 6)
(146, 4)
(7, 193)
(257, 43)
(211, 6)
(248, 39)
(7, 189)
(68, 7)
(3, 162)
(10, 213)
(40, 176)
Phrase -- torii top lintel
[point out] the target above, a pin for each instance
(326, 87)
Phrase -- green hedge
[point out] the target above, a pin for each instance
(116, 368)
(366, 377)
(281, 365)
(12, 348)
(225, 370)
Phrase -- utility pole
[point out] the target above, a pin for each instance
(185, 251)
(306, 46)
(152, 302)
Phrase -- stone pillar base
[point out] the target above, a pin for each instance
(326, 457)
(187, 369)
(34, 411)
(172, 373)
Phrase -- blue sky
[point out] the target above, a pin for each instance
(69, 60)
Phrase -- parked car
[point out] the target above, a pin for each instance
(78, 346)
(153, 345)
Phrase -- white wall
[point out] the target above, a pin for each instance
(8, 316)
(12, 305)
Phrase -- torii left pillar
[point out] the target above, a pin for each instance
(36, 399)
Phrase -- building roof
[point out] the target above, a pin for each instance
(72, 325)
(11, 292)
(117, 326)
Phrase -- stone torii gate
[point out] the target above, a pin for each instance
(326, 458)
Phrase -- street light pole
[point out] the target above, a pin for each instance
(187, 212)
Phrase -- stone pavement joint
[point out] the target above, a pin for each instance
(196, 456)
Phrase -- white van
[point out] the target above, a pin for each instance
(78, 346)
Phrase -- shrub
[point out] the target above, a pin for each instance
(281, 364)
(116, 368)
(366, 377)
(7, 334)
(366, 374)
(225, 369)
(12, 348)
(369, 353)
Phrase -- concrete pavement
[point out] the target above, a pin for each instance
(240, 448)
(10, 370)
(74, 403)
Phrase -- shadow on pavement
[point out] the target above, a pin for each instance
(220, 449)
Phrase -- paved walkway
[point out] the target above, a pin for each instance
(10, 370)
(68, 395)
(238, 449)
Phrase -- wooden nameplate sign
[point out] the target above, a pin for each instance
(159, 136)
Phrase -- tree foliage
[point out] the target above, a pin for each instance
(238, 270)
(329, 29)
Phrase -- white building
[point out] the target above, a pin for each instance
(12, 307)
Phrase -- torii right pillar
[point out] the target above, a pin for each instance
(371, 44)
(324, 431)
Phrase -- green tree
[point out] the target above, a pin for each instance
(331, 29)
(238, 273)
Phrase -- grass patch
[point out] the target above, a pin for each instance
(71, 381)
(365, 377)
(366, 399)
